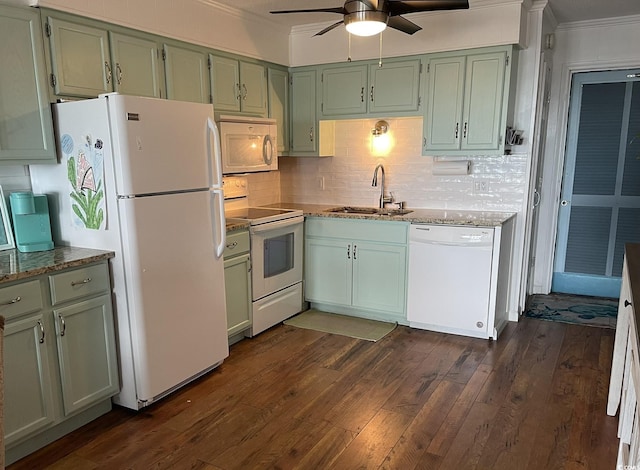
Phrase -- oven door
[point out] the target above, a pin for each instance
(276, 255)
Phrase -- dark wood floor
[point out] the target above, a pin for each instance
(293, 398)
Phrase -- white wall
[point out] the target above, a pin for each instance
(579, 47)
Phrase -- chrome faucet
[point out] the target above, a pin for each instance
(383, 199)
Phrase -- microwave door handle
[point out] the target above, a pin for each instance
(214, 154)
(267, 149)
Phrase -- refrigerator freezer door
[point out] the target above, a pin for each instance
(175, 289)
(161, 145)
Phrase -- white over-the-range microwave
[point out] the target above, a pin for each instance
(248, 144)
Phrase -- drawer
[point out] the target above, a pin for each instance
(19, 299)
(77, 283)
(357, 229)
(237, 244)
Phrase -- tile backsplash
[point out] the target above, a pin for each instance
(345, 179)
(14, 178)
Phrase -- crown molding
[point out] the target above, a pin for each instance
(245, 15)
(600, 23)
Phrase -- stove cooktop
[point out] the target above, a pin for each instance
(260, 215)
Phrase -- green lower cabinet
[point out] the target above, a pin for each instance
(86, 352)
(28, 394)
(345, 268)
(237, 282)
(61, 368)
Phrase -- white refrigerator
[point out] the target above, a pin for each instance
(142, 177)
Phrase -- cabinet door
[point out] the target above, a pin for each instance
(225, 83)
(328, 266)
(253, 88)
(86, 352)
(26, 129)
(279, 105)
(135, 65)
(379, 277)
(80, 59)
(484, 88)
(304, 125)
(443, 126)
(237, 285)
(344, 90)
(186, 74)
(28, 405)
(394, 87)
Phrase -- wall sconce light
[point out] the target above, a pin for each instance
(381, 141)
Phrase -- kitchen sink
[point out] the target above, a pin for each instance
(368, 211)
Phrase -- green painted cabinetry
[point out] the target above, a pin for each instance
(368, 88)
(135, 66)
(26, 129)
(186, 73)
(238, 86)
(88, 59)
(80, 59)
(60, 355)
(304, 122)
(279, 105)
(467, 104)
(357, 267)
(237, 282)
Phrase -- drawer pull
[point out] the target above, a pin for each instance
(41, 340)
(63, 325)
(232, 245)
(77, 283)
(13, 301)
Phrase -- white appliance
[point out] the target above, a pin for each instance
(158, 162)
(248, 144)
(450, 275)
(277, 242)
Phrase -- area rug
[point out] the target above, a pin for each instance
(566, 308)
(360, 328)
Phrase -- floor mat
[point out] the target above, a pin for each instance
(567, 308)
(344, 325)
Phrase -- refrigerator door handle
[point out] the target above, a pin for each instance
(214, 154)
(220, 230)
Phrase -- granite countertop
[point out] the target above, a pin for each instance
(234, 225)
(15, 265)
(425, 216)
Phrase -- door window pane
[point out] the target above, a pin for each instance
(278, 254)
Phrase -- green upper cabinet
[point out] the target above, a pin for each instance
(394, 87)
(186, 73)
(26, 129)
(352, 90)
(80, 59)
(135, 65)
(344, 90)
(238, 86)
(468, 98)
(279, 105)
(304, 124)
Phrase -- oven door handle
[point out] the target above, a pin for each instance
(276, 225)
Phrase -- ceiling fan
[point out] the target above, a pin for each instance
(369, 17)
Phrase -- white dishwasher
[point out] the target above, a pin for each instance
(450, 272)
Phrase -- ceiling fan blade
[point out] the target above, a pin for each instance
(340, 10)
(329, 28)
(403, 24)
(400, 7)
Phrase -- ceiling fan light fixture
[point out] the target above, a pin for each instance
(366, 23)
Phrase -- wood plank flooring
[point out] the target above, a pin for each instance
(293, 398)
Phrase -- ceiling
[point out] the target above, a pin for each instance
(565, 11)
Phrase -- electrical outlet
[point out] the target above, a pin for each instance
(481, 186)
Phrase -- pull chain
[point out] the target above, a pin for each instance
(349, 57)
(380, 57)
